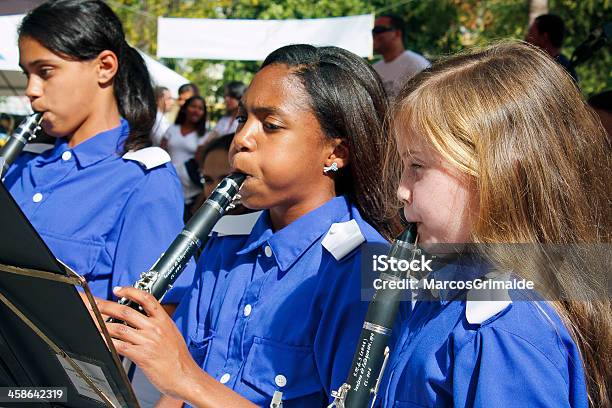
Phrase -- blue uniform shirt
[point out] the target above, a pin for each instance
(107, 218)
(276, 311)
(519, 356)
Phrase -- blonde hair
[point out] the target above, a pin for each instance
(513, 120)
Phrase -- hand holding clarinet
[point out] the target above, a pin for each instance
(144, 333)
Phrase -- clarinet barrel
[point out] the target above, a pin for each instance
(160, 278)
(25, 132)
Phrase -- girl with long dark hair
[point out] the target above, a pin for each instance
(276, 310)
(182, 141)
(105, 202)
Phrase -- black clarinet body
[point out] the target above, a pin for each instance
(25, 132)
(162, 275)
(370, 358)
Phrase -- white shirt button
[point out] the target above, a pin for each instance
(268, 251)
(247, 310)
(66, 155)
(224, 378)
(37, 198)
(280, 380)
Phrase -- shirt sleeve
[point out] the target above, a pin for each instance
(159, 129)
(205, 138)
(221, 125)
(152, 219)
(342, 317)
(499, 368)
(168, 132)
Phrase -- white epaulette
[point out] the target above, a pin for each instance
(482, 304)
(342, 238)
(38, 148)
(236, 224)
(149, 157)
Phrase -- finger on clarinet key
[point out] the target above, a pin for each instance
(147, 301)
(124, 314)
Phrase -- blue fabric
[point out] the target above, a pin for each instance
(107, 218)
(305, 309)
(521, 357)
(565, 63)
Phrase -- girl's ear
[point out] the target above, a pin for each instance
(340, 153)
(107, 65)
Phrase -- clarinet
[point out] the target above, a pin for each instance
(25, 132)
(372, 352)
(159, 279)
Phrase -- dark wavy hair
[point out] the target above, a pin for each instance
(189, 87)
(235, 89)
(220, 143)
(181, 117)
(396, 21)
(349, 101)
(554, 26)
(80, 30)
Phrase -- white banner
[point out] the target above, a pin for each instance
(253, 40)
(12, 80)
(9, 52)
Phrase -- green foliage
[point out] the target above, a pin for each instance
(581, 17)
(433, 28)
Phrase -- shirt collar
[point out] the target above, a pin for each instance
(94, 149)
(289, 243)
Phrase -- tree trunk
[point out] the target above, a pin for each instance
(537, 7)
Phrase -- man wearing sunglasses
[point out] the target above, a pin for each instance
(398, 64)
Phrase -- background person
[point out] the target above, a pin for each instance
(548, 32)
(602, 104)
(228, 123)
(398, 64)
(214, 168)
(182, 141)
(165, 102)
(7, 123)
(185, 92)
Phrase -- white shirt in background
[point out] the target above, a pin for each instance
(395, 73)
(182, 148)
(225, 125)
(159, 128)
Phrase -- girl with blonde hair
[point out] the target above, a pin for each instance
(500, 150)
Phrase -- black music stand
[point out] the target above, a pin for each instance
(47, 336)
